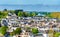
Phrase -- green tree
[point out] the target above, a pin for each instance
(17, 31)
(3, 30)
(33, 14)
(25, 14)
(11, 34)
(3, 14)
(35, 30)
(20, 14)
(5, 9)
(29, 15)
(57, 34)
(17, 11)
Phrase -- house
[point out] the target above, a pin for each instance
(4, 22)
(25, 34)
(41, 15)
(41, 35)
(45, 35)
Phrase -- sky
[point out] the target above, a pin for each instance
(25, 2)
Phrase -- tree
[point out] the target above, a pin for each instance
(35, 30)
(55, 14)
(57, 34)
(54, 33)
(11, 11)
(3, 14)
(11, 34)
(25, 14)
(3, 30)
(17, 31)
(17, 11)
(33, 14)
(5, 9)
(20, 14)
(29, 14)
(51, 32)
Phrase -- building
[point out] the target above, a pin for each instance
(25, 34)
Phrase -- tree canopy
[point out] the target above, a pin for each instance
(17, 31)
(57, 34)
(35, 30)
(3, 30)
